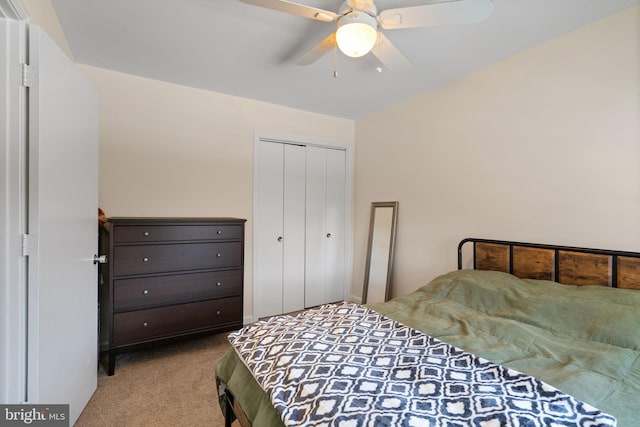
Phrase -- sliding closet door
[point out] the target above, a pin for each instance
(280, 222)
(325, 244)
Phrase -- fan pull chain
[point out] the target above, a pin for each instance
(335, 61)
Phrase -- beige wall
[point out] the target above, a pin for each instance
(169, 150)
(42, 13)
(542, 147)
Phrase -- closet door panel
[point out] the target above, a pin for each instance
(300, 227)
(335, 225)
(294, 228)
(270, 228)
(316, 191)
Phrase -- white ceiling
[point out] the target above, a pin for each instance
(235, 48)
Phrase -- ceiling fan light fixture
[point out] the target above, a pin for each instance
(357, 34)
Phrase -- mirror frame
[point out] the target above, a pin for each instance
(394, 220)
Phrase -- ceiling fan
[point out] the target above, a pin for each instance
(359, 25)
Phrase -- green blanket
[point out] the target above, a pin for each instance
(583, 340)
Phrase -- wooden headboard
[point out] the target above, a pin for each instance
(563, 264)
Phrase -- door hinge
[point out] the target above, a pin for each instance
(28, 244)
(26, 75)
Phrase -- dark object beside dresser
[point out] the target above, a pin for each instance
(167, 279)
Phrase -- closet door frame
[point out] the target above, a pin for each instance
(285, 139)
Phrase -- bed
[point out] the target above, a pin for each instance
(565, 319)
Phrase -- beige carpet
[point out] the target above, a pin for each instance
(171, 385)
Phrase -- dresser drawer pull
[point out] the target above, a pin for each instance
(218, 255)
(218, 284)
(219, 232)
(145, 324)
(145, 234)
(218, 312)
(146, 291)
(145, 259)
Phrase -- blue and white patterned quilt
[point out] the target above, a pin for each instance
(346, 365)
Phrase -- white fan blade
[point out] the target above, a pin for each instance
(318, 51)
(295, 9)
(431, 15)
(389, 55)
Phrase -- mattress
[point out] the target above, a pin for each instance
(582, 340)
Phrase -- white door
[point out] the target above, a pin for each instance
(335, 256)
(325, 265)
(300, 234)
(63, 201)
(279, 228)
(294, 229)
(13, 218)
(316, 222)
(268, 230)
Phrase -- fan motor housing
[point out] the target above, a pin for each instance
(351, 7)
(357, 16)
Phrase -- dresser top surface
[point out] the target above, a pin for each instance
(175, 220)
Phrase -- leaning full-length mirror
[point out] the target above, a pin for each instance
(382, 233)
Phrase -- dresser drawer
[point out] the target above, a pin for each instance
(144, 259)
(143, 325)
(161, 233)
(134, 294)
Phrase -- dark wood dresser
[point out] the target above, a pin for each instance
(169, 278)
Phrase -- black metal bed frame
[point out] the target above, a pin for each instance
(613, 254)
